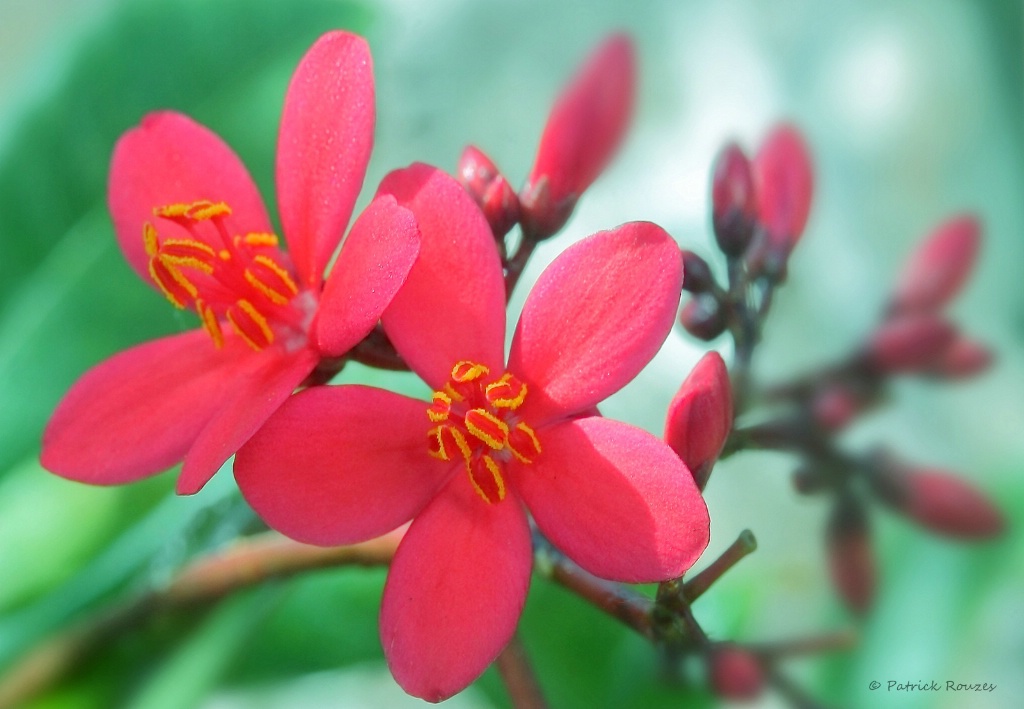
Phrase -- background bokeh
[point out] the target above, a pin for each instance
(914, 111)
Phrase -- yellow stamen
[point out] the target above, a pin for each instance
(466, 371)
(149, 239)
(441, 408)
(506, 393)
(203, 210)
(517, 442)
(285, 280)
(257, 318)
(260, 239)
(487, 427)
(210, 324)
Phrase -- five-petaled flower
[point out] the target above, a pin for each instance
(337, 465)
(191, 222)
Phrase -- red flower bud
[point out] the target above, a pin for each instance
(700, 416)
(733, 201)
(948, 505)
(939, 266)
(834, 406)
(584, 129)
(850, 558)
(963, 358)
(703, 317)
(909, 343)
(735, 673)
(490, 189)
(697, 276)
(783, 183)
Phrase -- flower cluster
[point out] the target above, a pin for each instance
(509, 458)
(502, 444)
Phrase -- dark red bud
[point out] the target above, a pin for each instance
(703, 317)
(733, 201)
(498, 201)
(697, 276)
(909, 343)
(963, 358)
(939, 266)
(948, 505)
(834, 406)
(700, 416)
(584, 130)
(807, 480)
(850, 557)
(735, 674)
(784, 184)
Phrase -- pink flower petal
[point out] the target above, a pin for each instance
(784, 182)
(595, 318)
(455, 591)
(250, 401)
(940, 265)
(616, 500)
(137, 413)
(337, 465)
(585, 128)
(324, 147)
(373, 264)
(700, 416)
(170, 159)
(452, 306)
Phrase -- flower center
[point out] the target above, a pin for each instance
(244, 280)
(475, 417)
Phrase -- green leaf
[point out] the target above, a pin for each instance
(43, 559)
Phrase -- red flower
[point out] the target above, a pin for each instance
(495, 438)
(192, 224)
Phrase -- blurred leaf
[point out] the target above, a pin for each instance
(32, 557)
(329, 619)
(197, 664)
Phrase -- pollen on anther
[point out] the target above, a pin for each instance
(466, 371)
(250, 324)
(523, 443)
(487, 427)
(506, 392)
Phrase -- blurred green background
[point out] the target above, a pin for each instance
(914, 111)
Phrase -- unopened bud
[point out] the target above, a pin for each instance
(697, 276)
(700, 416)
(585, 128)
(733, 201)
(909, 344)
(938, 267)
(850, 557)
(783, 183)
(492, 192)
(948, 505)
(703, 317)
(834, 406)
(735, 674)
(963, 358)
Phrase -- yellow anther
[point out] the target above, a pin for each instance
(521, 440)
(210, 324)
(506, 392)
(450, 391)
(257, 319)
(158, 271)
(171, 211)
(487, 427)
(486, 465)
(285, 281)
(204, 209)
(435, 444)
(224, 254)
(466, 371)
(149, 239)
(260, 239)
(441, 408)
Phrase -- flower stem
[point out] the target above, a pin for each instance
(516, 671)
(267, 556)
(695, 587)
